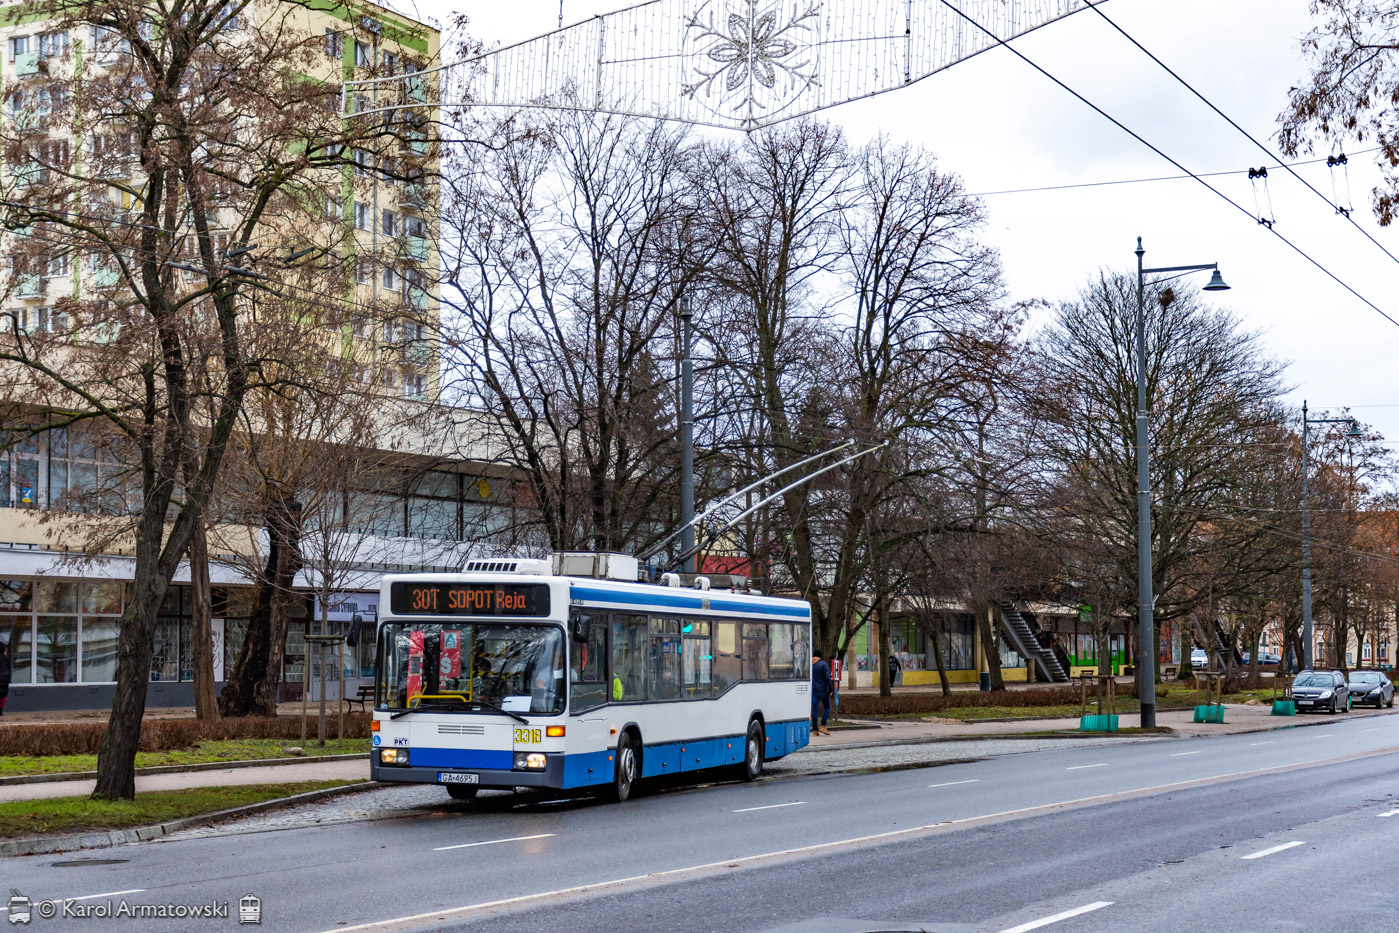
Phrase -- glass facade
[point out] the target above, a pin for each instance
(60, 632)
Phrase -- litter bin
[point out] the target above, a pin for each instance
(985, 681)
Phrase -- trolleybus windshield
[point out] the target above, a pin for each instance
(453, 666)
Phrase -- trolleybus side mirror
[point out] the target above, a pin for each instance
(352, 636)
(580, 626)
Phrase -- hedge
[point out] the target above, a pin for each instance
(161, 734)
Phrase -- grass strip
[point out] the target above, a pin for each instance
(206, 752)
(61, 815)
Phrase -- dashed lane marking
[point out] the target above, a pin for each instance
(1274, 850)
(1183, 754)
(771, 806)
(494, 842)
(1101, 764)
(85, 897)
(951, 783)
(1046, 921)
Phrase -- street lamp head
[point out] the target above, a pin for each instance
(1355, 429)
(1216, 283)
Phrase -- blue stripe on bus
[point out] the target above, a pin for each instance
(716, 604)
(783, 738)
(461, 758)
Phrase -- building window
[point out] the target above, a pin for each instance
(361, 216)
(364, 55)
(413, 385)
(334, 44)
(389, 225)
(19, 45)
(60, 632)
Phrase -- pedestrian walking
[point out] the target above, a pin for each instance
(4, 676)
(821, 688)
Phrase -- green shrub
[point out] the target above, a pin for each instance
(865, 704)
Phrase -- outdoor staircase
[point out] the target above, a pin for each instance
(1022, 635)
(1226, 646)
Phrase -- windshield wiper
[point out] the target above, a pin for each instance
(496, 709)
(437, 706)
(440, 706)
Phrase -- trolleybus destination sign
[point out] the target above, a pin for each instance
(470, 599)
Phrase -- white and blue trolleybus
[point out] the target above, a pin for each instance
(515, 673)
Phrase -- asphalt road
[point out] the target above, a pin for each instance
(1152, 832)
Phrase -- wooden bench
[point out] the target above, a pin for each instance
(365, 693)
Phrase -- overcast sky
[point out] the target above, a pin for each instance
(1001, 126)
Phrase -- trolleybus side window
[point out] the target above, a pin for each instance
(780, 645)
(629, 640)
(728, 662)
(801, 650)
(588, 666)
(665, 658)
(755, 651)
(697, 658)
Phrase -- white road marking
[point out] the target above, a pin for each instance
(1275, 849)
(1101, 764)
(662, 877)
(85, 897)
(1046, 921)
(1179, 754)
(1256, 744)
(951, 783)
(1389, 813)
(492, 842)
(1369, 730)
(771, 806)
(1324, 735)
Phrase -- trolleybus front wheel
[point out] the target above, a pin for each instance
(628, 767)
(752, 752)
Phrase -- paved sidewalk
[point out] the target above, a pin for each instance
(1237, 718)
(355, 770)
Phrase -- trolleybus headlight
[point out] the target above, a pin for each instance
(393, 756)
(533, 761)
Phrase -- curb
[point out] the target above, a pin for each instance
(177, 769)
(42, 845)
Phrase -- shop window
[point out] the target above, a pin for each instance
(56, 659)
(99, 650)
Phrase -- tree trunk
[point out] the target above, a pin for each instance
(116, 760)
(1185, 670)
(937, 657)
(990, 647)
(206, 699)
(886, 681)
(252, 686)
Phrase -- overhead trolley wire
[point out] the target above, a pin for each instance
(1345, 212)
(1120, 125)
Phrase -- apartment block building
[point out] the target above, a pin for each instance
(59, 611)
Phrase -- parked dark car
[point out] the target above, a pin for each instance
(1321, 690)
(1371, 687)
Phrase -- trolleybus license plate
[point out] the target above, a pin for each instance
(450, 777)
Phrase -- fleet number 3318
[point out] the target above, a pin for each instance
(527, 736)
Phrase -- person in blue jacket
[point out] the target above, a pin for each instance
(821, 687)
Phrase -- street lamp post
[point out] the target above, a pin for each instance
(1307, 640)
(1146, 622)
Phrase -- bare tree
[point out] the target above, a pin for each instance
(206, 152)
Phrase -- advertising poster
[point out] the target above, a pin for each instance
(415, 667)
(451, 655)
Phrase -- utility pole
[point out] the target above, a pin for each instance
(687, 434)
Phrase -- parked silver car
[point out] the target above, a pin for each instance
(1321, 690)
(1370, 688)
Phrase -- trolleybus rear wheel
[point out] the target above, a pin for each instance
(753, 752)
